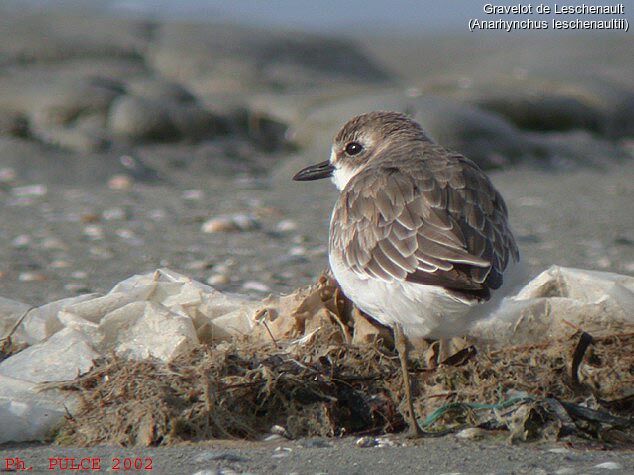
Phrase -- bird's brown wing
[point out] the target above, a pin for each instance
(434, 221)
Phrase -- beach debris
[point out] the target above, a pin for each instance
(286, 226)
(199, 264)
(162, 358)
(129, 236)
(609, 466)
(297, 251)
(32, 277)
(232, 223)
(385, 441)
(367, 441)
(471, 433)
(218, 279)
(94, 231)
(559, 450)
(566, 471)
(281, 452)
(120, 182)
(29, 191)
(279, 430)
(256, 286)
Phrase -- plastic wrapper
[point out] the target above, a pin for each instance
(63, 356)
(28, 414)
(557, 302)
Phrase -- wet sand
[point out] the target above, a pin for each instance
(310, 456)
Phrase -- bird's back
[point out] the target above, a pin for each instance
(425, 216)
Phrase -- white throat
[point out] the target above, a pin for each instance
(342, 175)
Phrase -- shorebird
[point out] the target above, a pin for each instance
(419, 236)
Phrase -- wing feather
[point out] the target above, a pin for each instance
(430, 217)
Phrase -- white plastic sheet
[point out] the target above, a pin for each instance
(157, 315)
(556, 303)
(162, 314)
(26, 414)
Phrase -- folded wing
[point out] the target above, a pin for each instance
(431, 221)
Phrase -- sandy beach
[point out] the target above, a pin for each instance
(128, 144)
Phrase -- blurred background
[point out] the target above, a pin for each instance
(324, 16)
(136, 134)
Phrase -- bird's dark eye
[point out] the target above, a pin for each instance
(353, 148)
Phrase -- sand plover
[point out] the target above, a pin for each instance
(419, 237)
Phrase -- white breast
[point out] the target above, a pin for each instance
(424, 311)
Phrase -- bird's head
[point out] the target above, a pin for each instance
(361, 141)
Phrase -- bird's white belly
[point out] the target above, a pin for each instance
(424, 311)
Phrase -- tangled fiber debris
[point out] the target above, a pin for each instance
(578, 387)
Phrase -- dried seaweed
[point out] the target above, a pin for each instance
(333, 382)
(234, 392)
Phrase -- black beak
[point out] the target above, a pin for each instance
(315, 172)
